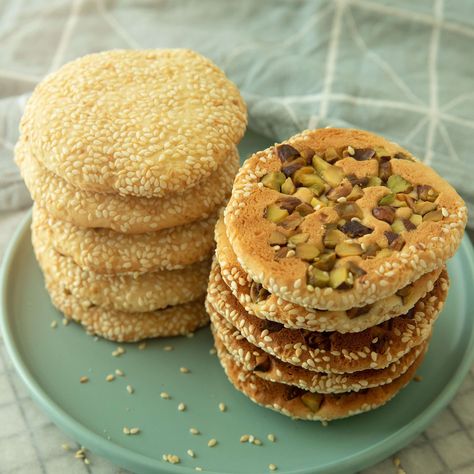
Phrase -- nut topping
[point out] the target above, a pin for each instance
(298, 238)
(291, 167)
(333, 175)
(289, 203)
(277, 238)
(363, 154)
(257, 292)
(384, 213)
(395, 241)
(286, 152)
(273, 180)
(348, 249)
(332, 237)
(307, 251)
(288, 186)
(433, 216)
(348, 210)
(275, 214)
(318, 278)
(355, 229)
(385, 168)
(397, 184)
(325, 261)
(312, 400)
(426, 193)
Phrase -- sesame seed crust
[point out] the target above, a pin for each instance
(376, 347)
(118, 326)
(427, 247)
(125, 214)
(289, 400)
(132, 293)
(268, 367)
(296, 316)
(137, 122)
(110, 252)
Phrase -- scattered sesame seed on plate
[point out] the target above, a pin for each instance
(257, 442)
(194, 431)
(66, 447)
(84, 379)
(126, 430)
(191, 453)
(244, 438)
(110, 378)
(54, 324)
(142, 346)
(168, 348)
(222, 407)
(271, 437)
(118, 352)
(134, 431)
(65, 321)
(130, 389)
(197, 468)
(165, 395)
(212, 351)
(272, 467)
(184, 370)
(212, 442)
(182, 407)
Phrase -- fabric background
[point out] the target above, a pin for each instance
(402, 68)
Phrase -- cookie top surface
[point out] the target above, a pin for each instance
(136, 122)
(338, 218)
(259, 302)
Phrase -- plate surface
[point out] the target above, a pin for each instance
(51, 361)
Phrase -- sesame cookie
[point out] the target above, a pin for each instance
(136, 122)
(268, 367)
(259, 302)
(338, 218)
(130, 215)
(302, 404)
(134, 292)
(106, 251)
(119, 326)
(374, 348)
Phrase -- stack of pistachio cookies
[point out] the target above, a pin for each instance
(128, 155)
(330, 272)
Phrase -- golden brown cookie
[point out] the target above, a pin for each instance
(259, 302)
(130, 215)
(106, 251)
(134, 292)
(374, 348)
(338, 218)
(119, 326)
(136, 122)
(268, 367)
(298, 403)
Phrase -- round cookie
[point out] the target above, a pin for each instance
(135, 122)
(301, 404)
(106, 251)
(268, 367)
(118, 326)
(133, 292)
(130, 215)
(338, 218)
(259, 302)
(375, 348)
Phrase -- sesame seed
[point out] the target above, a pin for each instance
(257, 442)
(84, 379)
(65, 321)
(118, 352)
(190, 452)
(66, 447)
(134, 431)
(244, 438)
(126, 430)
(197, 468)
(417, 378)
(222, 407)
(194, 431)
(271, 437)
(165, 395)
(130, 389)
(212, 442)
(110, 378)
(184, 370)
(168, 348)
(86, 461)
(171, 458)
(54, 324)
(212, 351)
(142, 346)
(119, 373)
(181, 407)
(272, 467)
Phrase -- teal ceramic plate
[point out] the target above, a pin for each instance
(51, 361)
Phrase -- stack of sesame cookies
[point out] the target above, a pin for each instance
(128, 156)
(330, 272)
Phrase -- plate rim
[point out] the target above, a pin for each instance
(131, 459)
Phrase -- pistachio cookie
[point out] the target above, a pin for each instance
(374, 348)
(338, 218)
(106, 251)
(130, 215)
(268, 367)
(135, 292)
(119, 326)
(140, 123)
(302, 404)
(259, 302)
